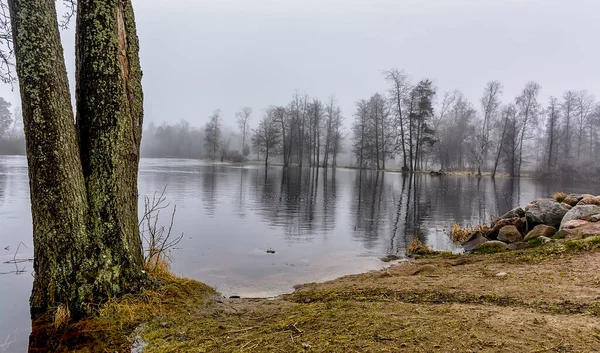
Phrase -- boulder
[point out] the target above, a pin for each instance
(547, 212)
(581, 229)
(575, 223)
(590, 201)
(519, 223)
(566, 205)
(580, 212)
(595, 218)
(492, 245)
(539, 231)
(474, 242)
(516, 212)
(520, 245)
(572, 200)
(510, 234)
(536, 201)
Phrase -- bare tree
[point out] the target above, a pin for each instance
(553, 118)
(243, 119)
(568, 109)
(400, 87)
(507, 114)
(490, 102)
(528, 109)
(584, 105)
(267, 136)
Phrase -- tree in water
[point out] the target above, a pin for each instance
(266, 137)
(83, 177)
(243, 120)
(212, 134)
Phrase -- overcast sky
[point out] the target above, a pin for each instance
(200, 55)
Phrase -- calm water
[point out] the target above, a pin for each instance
(322, 225)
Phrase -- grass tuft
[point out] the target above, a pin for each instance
(418, 248)
(559, 196)
(460, 235)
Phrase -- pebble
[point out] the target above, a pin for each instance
(501, 274)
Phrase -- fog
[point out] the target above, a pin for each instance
(199, 56)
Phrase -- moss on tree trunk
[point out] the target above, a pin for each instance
(83, 178)
(109, 118)
(58, 198)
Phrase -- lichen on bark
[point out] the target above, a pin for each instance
(57, 189)
(83, 178)
(109, 118)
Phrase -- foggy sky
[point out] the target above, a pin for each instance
(200, 55)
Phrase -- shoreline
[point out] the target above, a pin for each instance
(457, 301)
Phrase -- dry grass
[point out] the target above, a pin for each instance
(416, 247)
(432, 304)
(460, 235)
(559, 196)
(546, 303)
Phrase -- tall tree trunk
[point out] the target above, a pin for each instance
(57, 188)
(383, 147)
(318, 149)
(402, 138)
(410, 139)
(267, 157)
(301, 145)
(109, 116)
(376, 117)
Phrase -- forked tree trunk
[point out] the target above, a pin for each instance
(57, 189)
(109, 117)
(83, 196)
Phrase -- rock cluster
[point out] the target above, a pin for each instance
(577, 216)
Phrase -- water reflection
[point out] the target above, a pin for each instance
(321, 223)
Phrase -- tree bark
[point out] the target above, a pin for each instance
(83, 187)
(109, 117)
(57, 189)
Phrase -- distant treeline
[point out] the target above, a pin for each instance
(12, 140)
(410, 127)
(558, 139)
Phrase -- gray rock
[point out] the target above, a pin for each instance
(474, 242)
(540, 231)
(516, 212)
(547, 212)
(595, 218)
(580, 212)
(517, 246)
(492, 245)
(510, 234)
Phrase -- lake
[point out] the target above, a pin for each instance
(321, 224)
